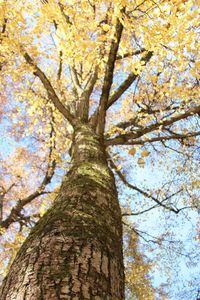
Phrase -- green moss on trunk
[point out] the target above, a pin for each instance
(75, 250)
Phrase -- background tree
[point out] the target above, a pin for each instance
(88, 85)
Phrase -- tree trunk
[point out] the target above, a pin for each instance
(75, 250)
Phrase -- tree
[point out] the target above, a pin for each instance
(88, 77)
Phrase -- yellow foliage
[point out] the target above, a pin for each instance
(145, 153)
(138, 281)
(132, 151)
(141, 162)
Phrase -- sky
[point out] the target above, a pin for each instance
(177, 262)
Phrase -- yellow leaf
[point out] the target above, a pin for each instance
(132, 151)
(119, 167)
(196, 184)
(145, 153)
(106, 27)
(141, 162)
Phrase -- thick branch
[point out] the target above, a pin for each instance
(108, 77)
(121, 89)
(124, 138)
(75, 81)
(60, 66)
(50, 90)
(83, 108)
(163, 138)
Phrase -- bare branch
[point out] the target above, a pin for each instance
(140, 212)
(151, 238)
(153, 207)
(160, 203)
(3, 192)
(139, 233)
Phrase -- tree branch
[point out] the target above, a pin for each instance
(83, 108)
(75, 81)
(129, 54)
(2, 195)
(60, 65)
(163, 138)
(159, 203)
(67, 19)
(4, 27)
(127, 82)
(50, 90)
(108, 77)
(139, 233)
(61, 6)
(133, 121)
(16, 210)
(3, 30)
(124, 138)
(140, 212)
(121, 89)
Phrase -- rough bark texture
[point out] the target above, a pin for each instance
(75, 250)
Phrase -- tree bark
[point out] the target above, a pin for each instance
(75, 249)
